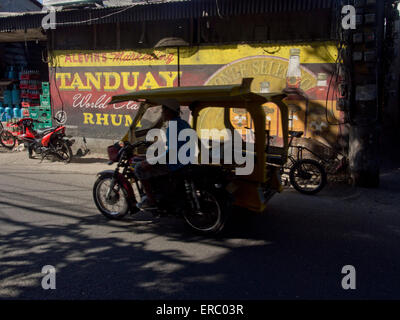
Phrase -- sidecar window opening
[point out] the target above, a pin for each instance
(217, 124)
(150, 119)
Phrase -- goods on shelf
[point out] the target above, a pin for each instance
(46, 88)
(45, 124)
(34, 112)
(29, 75)
(30, 103)
(25, 112)
(24, 95)
(45, 100)
(44, 114)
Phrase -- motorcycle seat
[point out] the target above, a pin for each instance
(45, 131)
(276, 159)
(184, 171)
(296, 134)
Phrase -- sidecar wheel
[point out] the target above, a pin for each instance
(308, 176)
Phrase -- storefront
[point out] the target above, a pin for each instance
(24, 84)
(24, 73)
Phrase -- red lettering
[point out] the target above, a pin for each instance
(68, 58)
(125, 57)
(169, 59)
(117, 56)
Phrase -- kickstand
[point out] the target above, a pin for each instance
(87, 150)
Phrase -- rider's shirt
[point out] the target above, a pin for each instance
(180, 125)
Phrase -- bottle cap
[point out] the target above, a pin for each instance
(295, 52)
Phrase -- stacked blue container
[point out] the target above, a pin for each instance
(7, 98)
(17, 112)
(2, 116)
(16, 96)
(9, 113)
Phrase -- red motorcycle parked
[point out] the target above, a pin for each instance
(50, 142)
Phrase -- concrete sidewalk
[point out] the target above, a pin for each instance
(384, 198)
(92, 163)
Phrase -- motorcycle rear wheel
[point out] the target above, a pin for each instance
(215, 207)
(65, 152)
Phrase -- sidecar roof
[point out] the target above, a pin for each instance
(186, 96)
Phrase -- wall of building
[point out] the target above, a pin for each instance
(89, 64)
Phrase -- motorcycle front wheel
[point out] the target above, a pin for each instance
(7, 140)
(113, 204)
(214, 210)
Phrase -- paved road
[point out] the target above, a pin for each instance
(296, 250)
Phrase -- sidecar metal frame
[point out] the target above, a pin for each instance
(248, 190)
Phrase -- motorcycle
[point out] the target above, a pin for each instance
(48, 142)
(195, 193)
(202, 193)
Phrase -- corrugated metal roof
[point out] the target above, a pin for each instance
(121, 3)
(166, 10)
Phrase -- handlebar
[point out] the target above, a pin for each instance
(141, 143)
(127, 151)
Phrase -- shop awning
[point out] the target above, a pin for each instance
(26, 31)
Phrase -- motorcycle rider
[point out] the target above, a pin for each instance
(144, 170)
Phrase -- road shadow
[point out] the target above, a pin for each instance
(296, 250)
(89, 160)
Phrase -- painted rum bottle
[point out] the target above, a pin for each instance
(293, 76)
